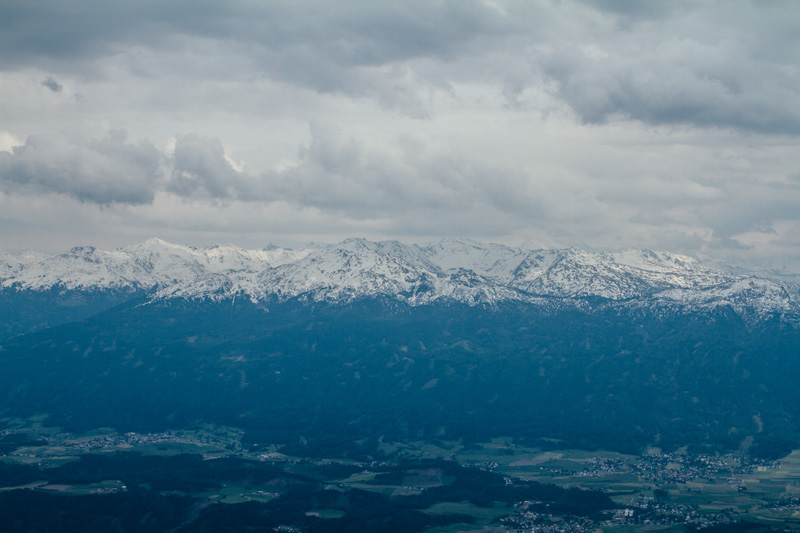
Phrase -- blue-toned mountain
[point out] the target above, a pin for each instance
(458, 271)
(366, 340)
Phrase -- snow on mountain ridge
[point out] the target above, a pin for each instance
(150, 265)
(455, 269)
(494, 261)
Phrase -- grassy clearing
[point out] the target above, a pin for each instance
(239, 493)
(360, 477)
(41, 461)
(639, 528)
(32, 485)
(103, 487)
(389, 490)
(177, 448)
(465, 508)
(468, 528)
(326, 513)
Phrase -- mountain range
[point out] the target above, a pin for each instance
(382, 340)
(454, 270)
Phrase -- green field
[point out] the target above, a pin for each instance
(481, 513)
(760, 492)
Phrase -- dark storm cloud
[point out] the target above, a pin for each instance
(328, 47)
(706, 64)
(105, 171)
(51, 83)
(67, 33)
(631, 12)
(678, 82)
(348, 32)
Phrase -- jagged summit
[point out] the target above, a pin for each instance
(449, 270)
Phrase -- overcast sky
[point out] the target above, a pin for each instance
(604, 124)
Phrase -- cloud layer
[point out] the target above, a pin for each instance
(710, 64)
(601, 124)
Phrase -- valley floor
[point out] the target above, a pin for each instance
(437, 486)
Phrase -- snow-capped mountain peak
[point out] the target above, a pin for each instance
(451, 269)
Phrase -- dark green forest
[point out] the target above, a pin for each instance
(332, 374)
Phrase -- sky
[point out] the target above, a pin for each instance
(544, 123)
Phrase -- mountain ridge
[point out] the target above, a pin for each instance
(610, 350)
(458, 270)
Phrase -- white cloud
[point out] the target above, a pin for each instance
(8, 141)
(104, 171)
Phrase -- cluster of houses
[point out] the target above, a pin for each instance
(120, 439)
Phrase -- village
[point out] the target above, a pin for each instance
(644, 511)
(666, 481)
(668, 468)
(121, 440)
(662, 471)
